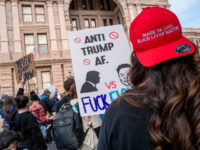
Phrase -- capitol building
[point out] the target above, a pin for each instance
(41, 27)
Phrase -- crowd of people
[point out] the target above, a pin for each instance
(31, 117)
(160, 112)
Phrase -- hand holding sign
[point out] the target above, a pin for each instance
(22, 82)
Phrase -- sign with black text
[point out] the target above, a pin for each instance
(100, 58)
(25, 67)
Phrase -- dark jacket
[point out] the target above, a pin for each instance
(27, 125)
(64, 100)
(125, 127)
(88, 87)
(46, 104)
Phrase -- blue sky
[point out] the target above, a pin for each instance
(188, 12)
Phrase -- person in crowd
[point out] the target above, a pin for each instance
(88, 122)
(9, 108)
(162, 111)
(72, 126)
(74, 101)
(65, 99)
(46, 102)
(36, 109)
(26, 123)
(54, 101)
(20, 92)
(3, 96)
(47, 107)
(94, 121)
(9, 140)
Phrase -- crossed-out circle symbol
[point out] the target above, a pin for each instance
(77, 40)
(114, 35)
(86, 61)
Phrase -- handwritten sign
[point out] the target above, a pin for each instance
(25, 67)
(100, 59)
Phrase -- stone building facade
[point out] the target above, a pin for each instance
(41, 27)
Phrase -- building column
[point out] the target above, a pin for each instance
(132, 11)
(3, 29)
(57, 77)
(6, 80)
(82, 22)
(16, 29)
(99, 20)
(52, 30)
(198, 42)
(64, 39)
(139, 8)
(39, 79)
(68, 70)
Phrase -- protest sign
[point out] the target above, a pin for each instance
(100, 58)
(25, 67)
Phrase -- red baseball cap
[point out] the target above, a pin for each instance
(156, 36)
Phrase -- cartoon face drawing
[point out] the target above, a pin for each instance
(123, 76)
(123, 70)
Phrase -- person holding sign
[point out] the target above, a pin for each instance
(162, 110)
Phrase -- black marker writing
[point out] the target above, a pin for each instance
(97, 49)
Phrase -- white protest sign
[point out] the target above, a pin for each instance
(100, 58)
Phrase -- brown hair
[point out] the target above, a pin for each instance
(68, 83)
(9, 101)
(21, 101)
(172, 92)
(72, 93)
(8, 137)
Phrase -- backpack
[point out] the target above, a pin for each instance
(68, 127)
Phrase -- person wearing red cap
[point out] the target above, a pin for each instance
(162, 110)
